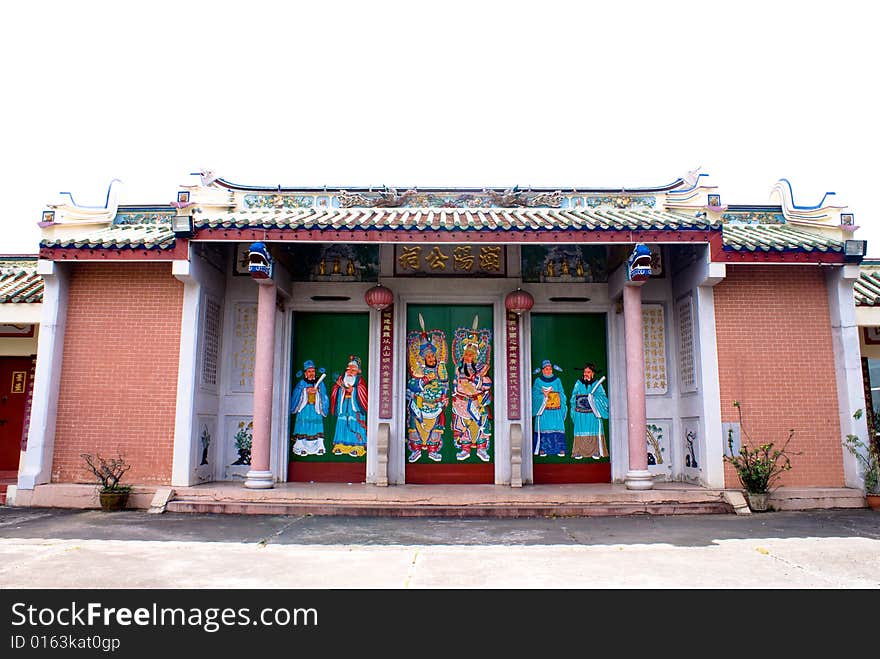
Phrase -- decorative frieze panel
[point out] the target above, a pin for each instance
(278, 201)
(654, 343)
(564, 264)
(614, 201)
(124, 219)
(754, 218)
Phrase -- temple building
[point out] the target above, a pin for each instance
(268, 335)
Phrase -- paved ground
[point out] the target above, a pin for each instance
(42, 548)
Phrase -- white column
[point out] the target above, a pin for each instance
(182, 468)
(713, 441)
(37, 466)
(847, 363)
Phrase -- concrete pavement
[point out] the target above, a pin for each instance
(50, 548)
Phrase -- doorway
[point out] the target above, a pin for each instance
(15, 383)
(569, 401)
(449, 428)
(328, 407)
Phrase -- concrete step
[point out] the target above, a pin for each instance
(403, 509)
(810, 498)
(4, 484)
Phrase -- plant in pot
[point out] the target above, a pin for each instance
(868, 455)
(758, 468)
(109, 472)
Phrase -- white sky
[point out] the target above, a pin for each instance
(451, 93)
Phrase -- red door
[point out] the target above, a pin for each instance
(15, 373)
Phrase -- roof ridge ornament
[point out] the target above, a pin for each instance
(73, 212)
(821, 213)
(388, 198)
(208, 176)
(512, 197)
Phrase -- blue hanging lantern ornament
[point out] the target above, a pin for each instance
(259, 261)
(638, 265)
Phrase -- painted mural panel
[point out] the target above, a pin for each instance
(690, 430)
(238, 438)
(657, 435)
(328, 395)
(244, 345)
(569, 400)
(564, 263)
(333, 262)
(449, 388)
(206, 431)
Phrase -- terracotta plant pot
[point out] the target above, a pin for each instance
(873, 501)
(758, 502)
(113, 500)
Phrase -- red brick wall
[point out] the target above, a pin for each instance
(775, 356)
(119, 372)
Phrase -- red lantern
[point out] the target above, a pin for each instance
(518, 301)
(379, 297)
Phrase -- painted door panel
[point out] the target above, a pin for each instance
(328, 340)
(568, 341)
(449, 433)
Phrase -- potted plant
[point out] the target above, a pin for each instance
(758, 468)
(868, 456)
(109, 472)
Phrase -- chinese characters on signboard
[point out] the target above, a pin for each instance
(654, 336)
(386, 361)
(513, 400)
(18, 380)
(449, 260)
(244, 344)
(686, 344)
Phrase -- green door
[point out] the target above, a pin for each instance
(328, 421)
(449, 429)
(569, 403)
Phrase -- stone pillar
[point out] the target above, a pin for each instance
(182, 469)
(847, 363)
(36, 468)
(638, 477)
(260, 475)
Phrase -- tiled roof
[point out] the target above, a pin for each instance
(460, 219)
(775, 237)
(19, 281)
(866, 288)
(736, 237)
(140, 236)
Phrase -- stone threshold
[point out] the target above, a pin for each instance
(441, 500)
